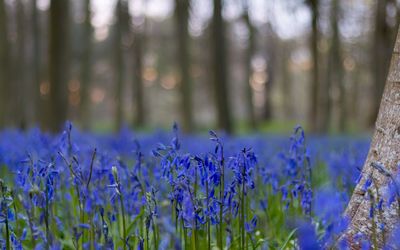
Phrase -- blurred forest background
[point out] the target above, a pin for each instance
(236, 65)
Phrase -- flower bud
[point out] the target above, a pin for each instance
(114, 171)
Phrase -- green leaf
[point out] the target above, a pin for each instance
(288, 239)
(131, 226)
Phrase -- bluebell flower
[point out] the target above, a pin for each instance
(307, 237)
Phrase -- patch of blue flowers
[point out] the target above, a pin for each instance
(165, 190)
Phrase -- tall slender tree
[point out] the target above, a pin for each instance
(286, 51)
(334, 75)
(58, 63)
(36, 62)
(220, 83)
(21, 90)
(138, 53)
(4, 65)
(183, 51)
(338, 65)
(270, 55)
(121, 12)
(248, 57)
(313, 110)
(86, 68)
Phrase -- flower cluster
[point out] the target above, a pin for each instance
(156, 191)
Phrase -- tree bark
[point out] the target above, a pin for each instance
(21, 91)
(36, 62)
(182, 19)
(4, 68)
(286, 51)
(119, 63)
(58, 63)
(313, 110)
(249, 55)
(334, 76)
(138, 49)
(224, 118)
(269, 81)
(86, 68)
(385, 150)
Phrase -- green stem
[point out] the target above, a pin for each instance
(8, 246)
(194, 246)
(155, 238)
(221, 208)
(147, 239)
(208, 221)
(121, 198)
(46, 220)
(242, 218)
(185, 237)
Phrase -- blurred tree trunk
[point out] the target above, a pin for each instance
(355, 96)
(36, 63)
(220, 69)
(182, 19)
(138, 52)
(58, 63)
(21, 90)
(271, 61)
(138, 49)
(383, 40)
(4, 67)
(313, 111)
(384, 152)
(338, 66)
(334, 75)
(119, 63)
(86, 68)
(286, 80)
(249, 55)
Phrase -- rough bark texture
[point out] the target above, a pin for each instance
(384, 149)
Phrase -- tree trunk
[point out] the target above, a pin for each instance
(380, 57)
(249, 55)
(385, 151)
(313, 111)
(36, 63)
(119, 64)
(269, 81)
(182, 19)
(4, 66)
(334, 76)
(138, 49)
(58, 63)
(286, 51)
(21, 90)
(220, 69)
(86, 68)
